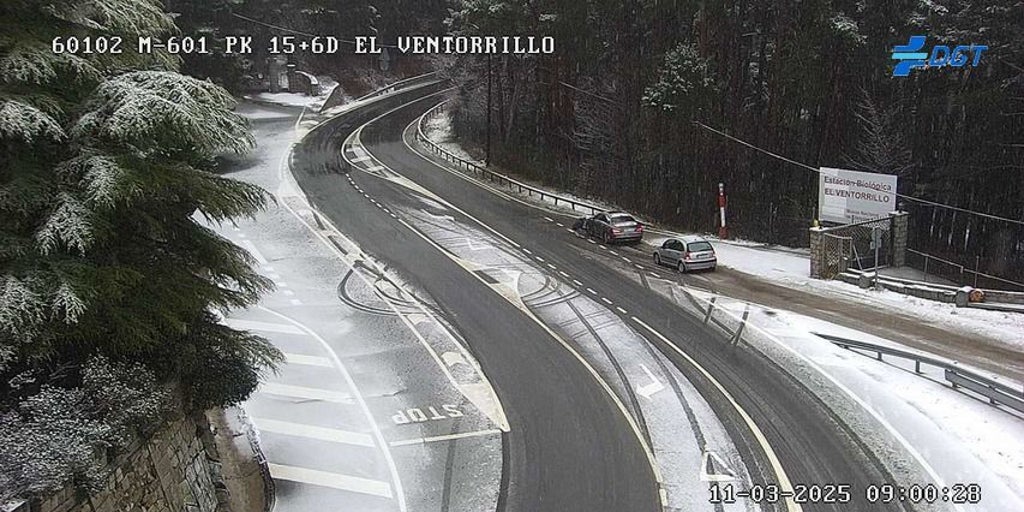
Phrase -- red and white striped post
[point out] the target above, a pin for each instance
(723, 232)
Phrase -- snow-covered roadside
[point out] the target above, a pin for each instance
(909, 420)
(790, 267)
(292, 99)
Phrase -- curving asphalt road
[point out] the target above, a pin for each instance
(570, 447)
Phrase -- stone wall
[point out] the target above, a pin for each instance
(171, 472)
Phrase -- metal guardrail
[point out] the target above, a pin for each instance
(960, 273)
(998, 393)
(401, 84)
(480, 171)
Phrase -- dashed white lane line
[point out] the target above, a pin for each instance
(613, 252)
(569, 230)
(603, 247)
(305, 393)
(313, 432)
(591, 241)
(559, 224)
(527, 251)
(449, 437)
(638, 267)
(393, 216)
(627, 260)
(592, 291)
(251, 247)
(606, 300)
(549, 219)
(291, 358)
(623, 311)
(539, 259)
(552, 266)
(563, 273)
(332, 480)
(577, 283)
(654, 274)
(253, 325)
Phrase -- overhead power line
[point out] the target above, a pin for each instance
(817, 170)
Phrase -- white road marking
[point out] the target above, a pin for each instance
(577, 283)
(449, 437)
(591, 241)
(307, 360)
(603, 247)
(563, 273)
(613, 252)
(549, 219)
(527, 251)
(569, 230)
(606, 300)
(559, 224)
(334, 480)
(304, 392)
(251, 247)
(538, 258)
(393, 216)
(591, 290)
(773, 459)
(361, 159)
(626, 259)
(253, 325)
(638, 267)
(552, 266)
(392, 468)
(623, 311)
(313, 432)
(720, 465)
(648, 390)
(375, 168)
(654, 274)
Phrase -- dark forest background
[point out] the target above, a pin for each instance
(611, 114)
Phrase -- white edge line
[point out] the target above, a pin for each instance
(773, 459)
(377, 434)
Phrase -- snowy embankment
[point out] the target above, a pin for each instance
(292, 99)
(790, 267)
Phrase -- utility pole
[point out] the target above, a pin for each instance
(487, 159)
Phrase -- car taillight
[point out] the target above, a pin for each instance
(686, 255)
(639, 227)
(616, 230)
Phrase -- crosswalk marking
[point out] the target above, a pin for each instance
(253, 325)
(313, 432)
(305, 393)
(333, 480)
(308, 360)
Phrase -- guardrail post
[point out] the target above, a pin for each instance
(711, 308)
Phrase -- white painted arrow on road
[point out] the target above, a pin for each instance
(722, 474)
(649, 389)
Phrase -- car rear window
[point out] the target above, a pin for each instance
(622, 219)
(699, 246)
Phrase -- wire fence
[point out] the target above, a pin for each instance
(479, 171)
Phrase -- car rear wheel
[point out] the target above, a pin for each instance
(657, 259)
(682, 267)
(606, 238)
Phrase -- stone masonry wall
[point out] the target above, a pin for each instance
(171, 472)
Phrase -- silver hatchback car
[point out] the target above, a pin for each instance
(686, 253)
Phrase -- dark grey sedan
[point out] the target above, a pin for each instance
(611, 227)
(686, 253)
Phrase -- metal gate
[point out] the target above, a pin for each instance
(857, 246)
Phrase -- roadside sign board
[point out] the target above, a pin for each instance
(847, 196)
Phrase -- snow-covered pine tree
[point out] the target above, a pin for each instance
(106, 166)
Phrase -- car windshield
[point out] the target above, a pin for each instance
(698, 246)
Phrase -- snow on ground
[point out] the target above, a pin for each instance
(912, 419)
(790, 267)
(292, 99)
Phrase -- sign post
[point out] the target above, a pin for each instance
(723, 232)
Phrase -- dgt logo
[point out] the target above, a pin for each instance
(910, 56)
